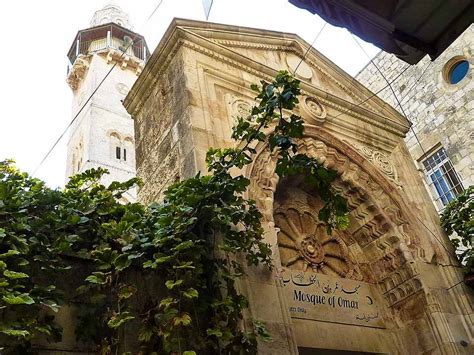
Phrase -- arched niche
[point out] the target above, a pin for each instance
(380, 237)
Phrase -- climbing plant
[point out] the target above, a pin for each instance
(166, 274)
(458, 221)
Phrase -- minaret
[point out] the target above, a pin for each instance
(103, 134)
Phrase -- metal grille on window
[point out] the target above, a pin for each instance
(117, 152)
(442, 179)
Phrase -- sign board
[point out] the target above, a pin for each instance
(330, 299)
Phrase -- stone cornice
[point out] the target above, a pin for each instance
(184, 33)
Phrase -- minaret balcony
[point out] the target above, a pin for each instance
(108, 36)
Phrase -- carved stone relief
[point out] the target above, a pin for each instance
(78, 71)
(299, 66)
(303, 240)
(238, 107)
(381, 161)
(316, 111)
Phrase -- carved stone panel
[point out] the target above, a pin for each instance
(304, 242)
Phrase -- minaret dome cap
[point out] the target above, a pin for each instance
(111, 12)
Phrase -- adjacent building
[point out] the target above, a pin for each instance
(105, 60)
(438, 99)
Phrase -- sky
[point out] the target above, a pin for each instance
(36, 100)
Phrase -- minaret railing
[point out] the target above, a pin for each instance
(97, 39)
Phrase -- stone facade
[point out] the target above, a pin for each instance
(388, 284)
(442, 114)
(103, 126)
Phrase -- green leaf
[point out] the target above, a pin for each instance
(184, 320)
(184, 245)
(16, 332)
(11, 252)
(214, 332)
(122, 262)
(170, 284)
(166, 302)
(189, 352)
(51, 305)
(14, 275)
(119, 319)
(186, 265)
(149, 264)
(23, 298)
(145, 335)
(127, 291)
(99, 278)
(191, 293)
(163, 259)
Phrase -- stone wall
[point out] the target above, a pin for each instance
(442, 114)
(164, 141)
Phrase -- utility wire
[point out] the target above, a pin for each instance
(310, 46)
(393, 92)
(353, 106)
(95, 90)
(411, 127)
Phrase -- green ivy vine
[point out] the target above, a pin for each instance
(165, 274)
(458, 221)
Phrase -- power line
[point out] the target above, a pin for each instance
(310, 46)
(373, 95)
(411, 127)
(93, 92)
(393, 92)
(154, 10)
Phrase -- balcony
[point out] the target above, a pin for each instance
(108, 36)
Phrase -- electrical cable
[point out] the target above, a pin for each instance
(310, 46)
(404, 114)
(371, 96)
(393, 92)
(93, 92)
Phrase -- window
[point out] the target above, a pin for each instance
(455, 70)
(117, 152)
(125, 154)
(442, 179)
(458, 71)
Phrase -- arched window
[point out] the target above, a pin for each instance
(115, 146)
(80, 153)
(128, 148)
(121, 149)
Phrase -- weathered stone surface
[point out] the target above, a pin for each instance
(394, 244)
(442, 114)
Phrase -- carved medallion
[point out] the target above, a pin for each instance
(295, 63)
(315, 109)
(304, 243)
(242, 108)
(122, 88)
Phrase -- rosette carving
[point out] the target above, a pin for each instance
(304, 243)
(315, 109)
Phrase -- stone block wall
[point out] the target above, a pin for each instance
(442, 114)
(163, 155)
